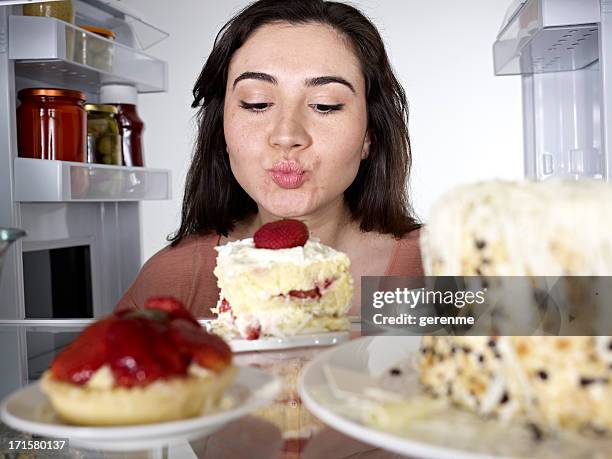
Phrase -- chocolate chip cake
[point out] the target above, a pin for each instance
(553, 228)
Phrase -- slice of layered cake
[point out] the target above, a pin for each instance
(554, 228)
(281, 282)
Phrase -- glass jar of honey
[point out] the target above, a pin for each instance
(52, 124)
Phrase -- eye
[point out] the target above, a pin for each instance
(256, 106)
(325, 109)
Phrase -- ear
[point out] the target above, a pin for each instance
(365, 151)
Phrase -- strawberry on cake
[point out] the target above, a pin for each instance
(281, 282)
(137, 367)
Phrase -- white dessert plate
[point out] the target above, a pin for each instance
(29, 410)
(455, 434)
(289, 342)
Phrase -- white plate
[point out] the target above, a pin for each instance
(29, 410)
(456, 435)
(289, 342)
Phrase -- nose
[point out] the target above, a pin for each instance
(289, 133)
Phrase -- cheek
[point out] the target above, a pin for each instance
(244, 139)
(244, 165)
(339, 156)
(237, 132)
(246, 157)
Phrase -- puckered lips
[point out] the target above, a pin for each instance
(288, 174)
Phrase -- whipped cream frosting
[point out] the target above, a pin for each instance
(238, 256)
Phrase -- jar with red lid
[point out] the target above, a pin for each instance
(52, 124)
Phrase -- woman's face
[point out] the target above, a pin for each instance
(295, 118)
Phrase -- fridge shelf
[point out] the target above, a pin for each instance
(60, 53)
(38, 180)
(115, 14)
(548, 36)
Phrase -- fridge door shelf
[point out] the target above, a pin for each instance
(548, 36)
(116, 15)
(60, 53)
(38, 180)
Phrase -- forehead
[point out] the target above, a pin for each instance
(303, 50)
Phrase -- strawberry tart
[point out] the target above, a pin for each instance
(135, 367)
(281, 282)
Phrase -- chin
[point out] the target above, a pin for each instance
(287, 210)
(284, 212)
(288, 204)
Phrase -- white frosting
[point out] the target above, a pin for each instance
(603, 345)
(285, 322)
(239, 256)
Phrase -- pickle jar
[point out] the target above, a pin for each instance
(103, 139)
(51, 124)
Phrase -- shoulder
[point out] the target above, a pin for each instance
(406, 257)
(175, 271)
(410, 239)
(187, 251)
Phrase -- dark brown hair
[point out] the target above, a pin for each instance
(377, 198)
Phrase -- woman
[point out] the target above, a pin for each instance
(301, 116)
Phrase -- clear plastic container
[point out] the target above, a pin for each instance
(92, 51)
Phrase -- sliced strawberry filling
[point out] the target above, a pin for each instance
(253, 333)
(224, 306)
(316, 292)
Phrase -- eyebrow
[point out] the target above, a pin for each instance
(255, 76)
(323, 80)
(310, 82)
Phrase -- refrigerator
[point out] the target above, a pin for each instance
(82, 249)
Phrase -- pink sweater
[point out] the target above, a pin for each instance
(186, 272)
